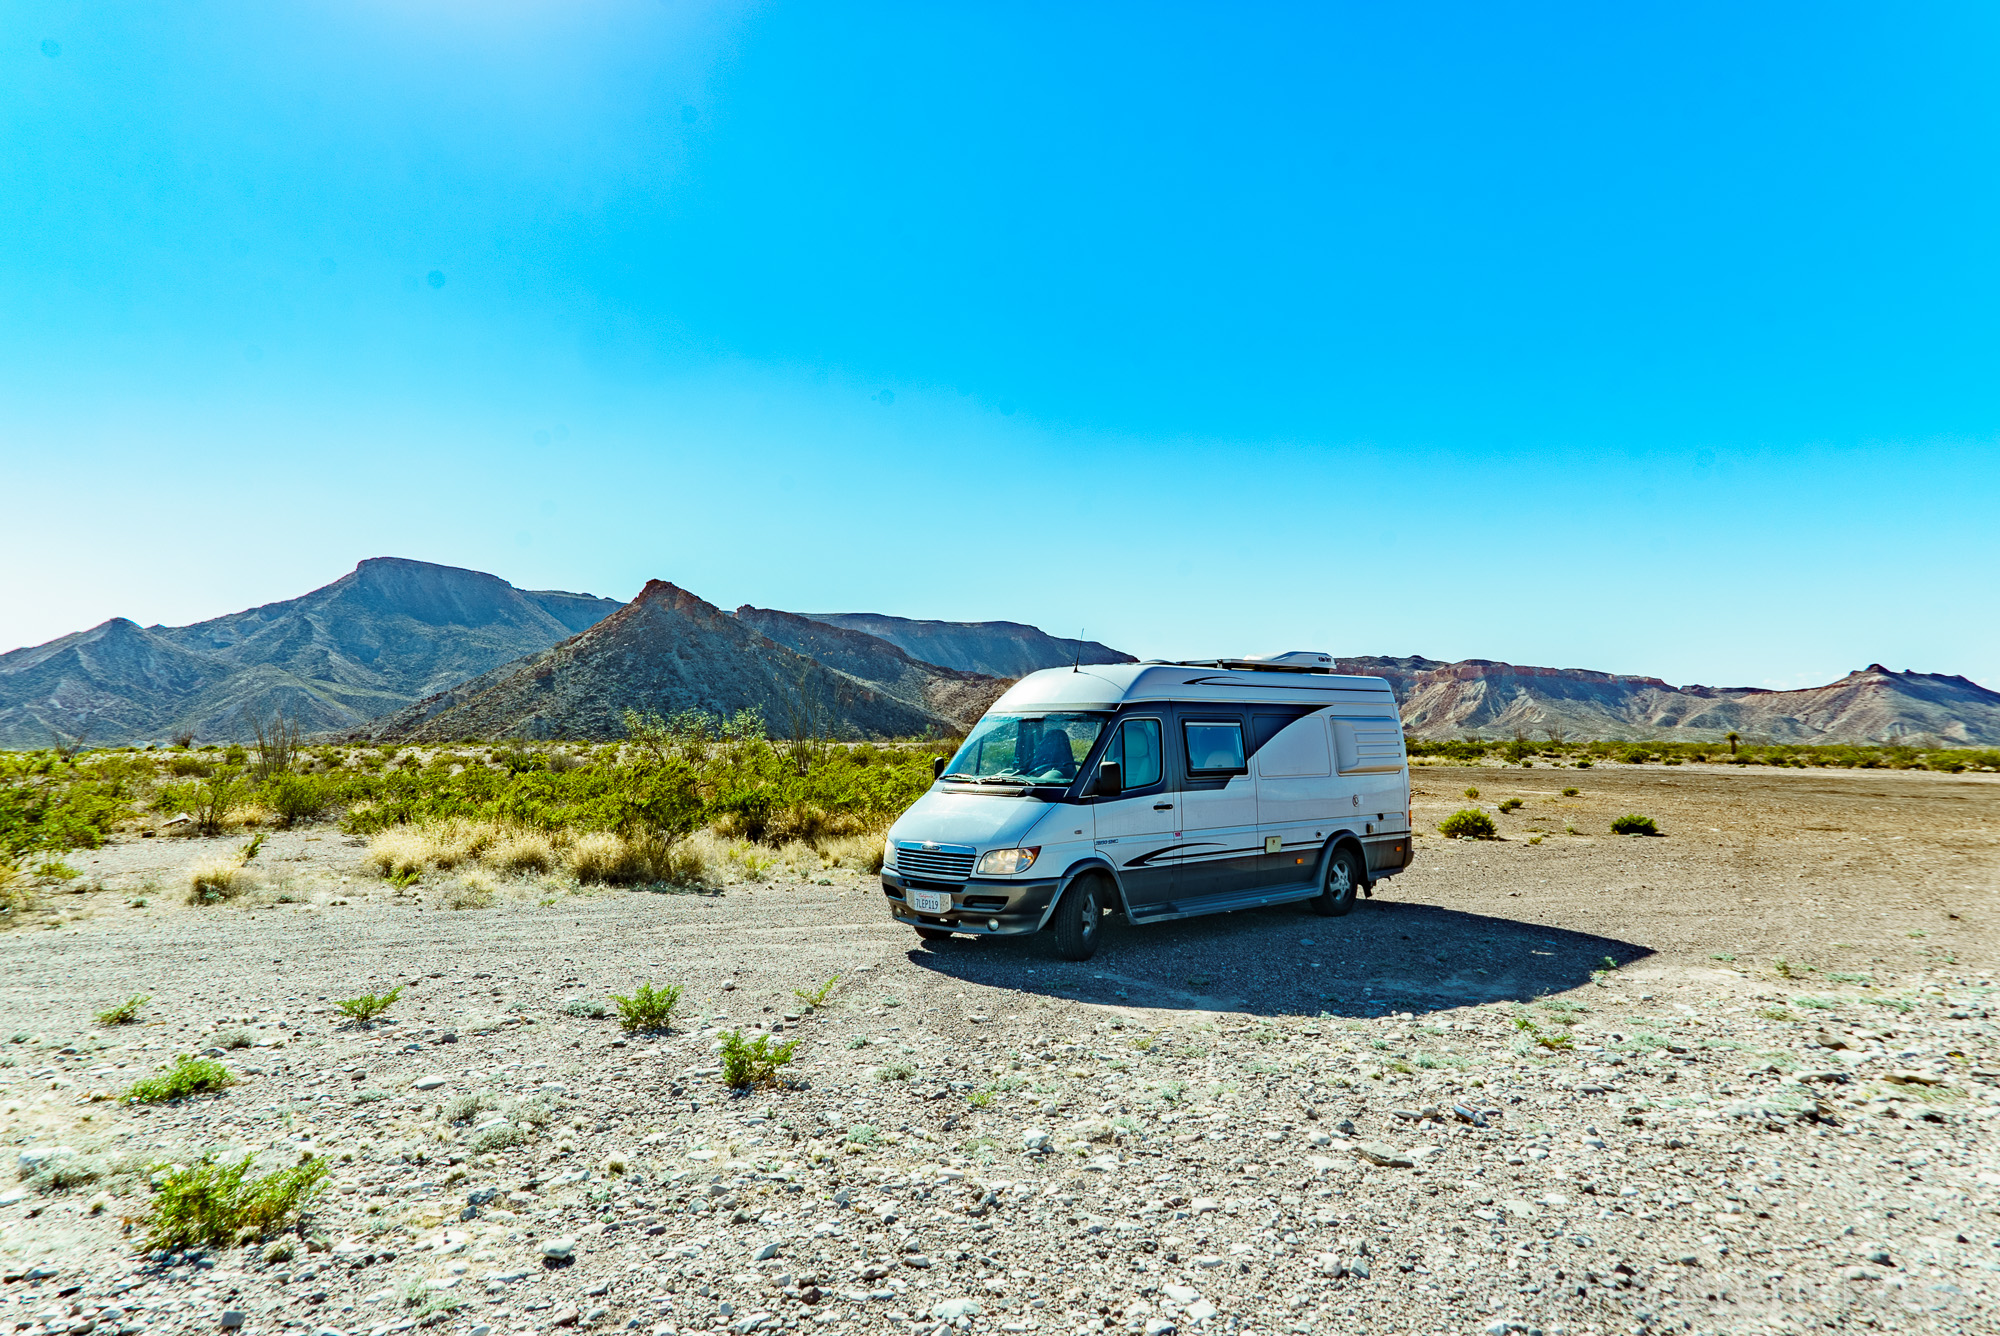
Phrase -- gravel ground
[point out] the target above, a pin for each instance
(1739, 1078)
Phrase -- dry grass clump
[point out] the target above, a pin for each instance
(522, 851)
(398, 852)
(213, 883)
(857, 853)
(616, 860)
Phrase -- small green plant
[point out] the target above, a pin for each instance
(586, 1008)
(1554, 1041)
(980, 1099)
(214, 1205)
(1604, 972)
(188, 1076)
(861, 1134)
(250, 847)
(405, 879)
(126, 1012)
(1569, 793)
(753, 1062)
(1724, 955)
(368, 1006)
(1784, 968)
(859, 1041)
(1634, 824)
(648, 1008)
(1472, 793)
(895, 1071)
(236, 1039)
(1509, 804)
(54, 869)
(817, 997)
(1770, 1013)
(1470, 824)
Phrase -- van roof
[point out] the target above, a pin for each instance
(1107, 686)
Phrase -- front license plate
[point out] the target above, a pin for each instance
(930, 902)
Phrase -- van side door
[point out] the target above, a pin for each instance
(1221, 850)
(1295, 794)
(1138, 831)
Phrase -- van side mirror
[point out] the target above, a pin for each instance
(938, 764)
(1110, 779)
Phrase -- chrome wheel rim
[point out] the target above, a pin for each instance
(1338, 883)
(1089, 912)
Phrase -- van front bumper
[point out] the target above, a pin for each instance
(986, 906)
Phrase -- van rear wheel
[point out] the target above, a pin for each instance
(1340, 882)
(1077, 918)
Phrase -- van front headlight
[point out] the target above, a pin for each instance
(1007, 862)
(889, 854)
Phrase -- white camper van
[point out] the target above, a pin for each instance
(1160, 790)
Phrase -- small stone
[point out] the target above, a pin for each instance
(559, 1250)
(568, 1317)
(1201, 1310)
(1379, 1152)
(1208, 1263)
(950, 1310)
(232, 1320)
(427, 1082)
(1880, 1257)
(1159, 1326)
(480, 1196)
(765, 1253)
(1181, 1294)
(1202, 1205)
(1035, 1139)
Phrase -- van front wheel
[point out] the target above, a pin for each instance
(1077, 918)
(1339, 884)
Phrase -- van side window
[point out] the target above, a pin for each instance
(1137, 749)
(1214, 748)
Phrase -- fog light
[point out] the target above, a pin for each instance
(994, 924)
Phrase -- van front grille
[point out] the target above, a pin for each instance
(944, 863)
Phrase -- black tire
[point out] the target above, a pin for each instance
(934, 934)
(1078, 917)
(1340, 883)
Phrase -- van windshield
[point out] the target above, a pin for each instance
(1026, 748)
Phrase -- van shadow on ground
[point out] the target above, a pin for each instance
(1387, 956)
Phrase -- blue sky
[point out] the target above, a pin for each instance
(1660, 340)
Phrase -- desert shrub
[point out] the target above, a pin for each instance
(1569, 793)
(188, 1076)
(462, 1108)
(296, 798)
(619, 860)
(649, 1008)
(586, 1008)
(1634, 824)
(214, 882)
(753, 1062)
(1509, 804)
(1470, 824)
(190, 765)
(474, 891)
(126, 1012)
(236, 1039)
(895, 1071)
(1472, 793)
(214, 1205)
(500, 1136)
(368, 1006)
(858, 853)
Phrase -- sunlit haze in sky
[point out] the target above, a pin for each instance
(1651, 338)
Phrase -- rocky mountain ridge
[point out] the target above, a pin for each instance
(388, 632)
(668, 650)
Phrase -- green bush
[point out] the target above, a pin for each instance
(648, 1008)
(1509, 804)
(215, 1206)
(296, 797)
(1634, 824)
(1470, 824)
(125, 1012)
(368, 1006)
(753, 1062)
(188, 1076)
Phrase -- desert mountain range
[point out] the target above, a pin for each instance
(407, 649)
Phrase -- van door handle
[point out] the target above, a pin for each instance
(1163, 807)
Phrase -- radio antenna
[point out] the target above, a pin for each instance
(1076, 664)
